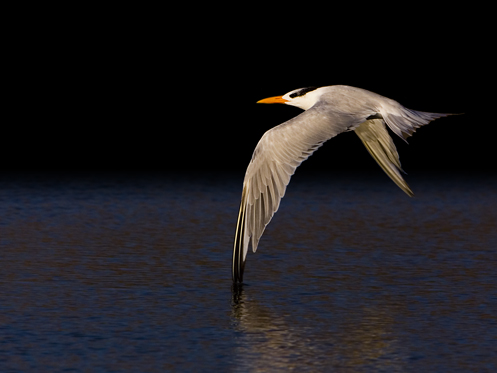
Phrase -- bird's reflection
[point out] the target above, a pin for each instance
(237, 294)
(272, 341)
(266, 341)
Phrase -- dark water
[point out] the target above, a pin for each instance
(114, 274)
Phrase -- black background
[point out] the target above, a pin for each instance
(127, 89)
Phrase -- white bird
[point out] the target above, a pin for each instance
(328, 111)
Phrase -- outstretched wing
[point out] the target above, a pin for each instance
(279, 152)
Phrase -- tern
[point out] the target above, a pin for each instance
(329, 111)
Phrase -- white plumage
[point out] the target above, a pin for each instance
(329, 111)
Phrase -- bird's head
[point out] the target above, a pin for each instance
(303, 98)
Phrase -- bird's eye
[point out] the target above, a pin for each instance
(302, 92)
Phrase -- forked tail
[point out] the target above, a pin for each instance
(404, 121)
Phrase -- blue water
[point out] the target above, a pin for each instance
(131, 273)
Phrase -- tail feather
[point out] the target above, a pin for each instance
(404, 122)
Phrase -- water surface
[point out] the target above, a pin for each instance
(132, 273)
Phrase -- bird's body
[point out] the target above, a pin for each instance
(329, 111)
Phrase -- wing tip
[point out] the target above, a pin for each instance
(238, 264)
(408, 191)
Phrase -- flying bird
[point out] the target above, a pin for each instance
(329, 111)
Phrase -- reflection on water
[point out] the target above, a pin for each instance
(362, 338)
(132, 273)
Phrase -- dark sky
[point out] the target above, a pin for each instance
(145, 96)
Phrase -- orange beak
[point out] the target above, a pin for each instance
(273, 100)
